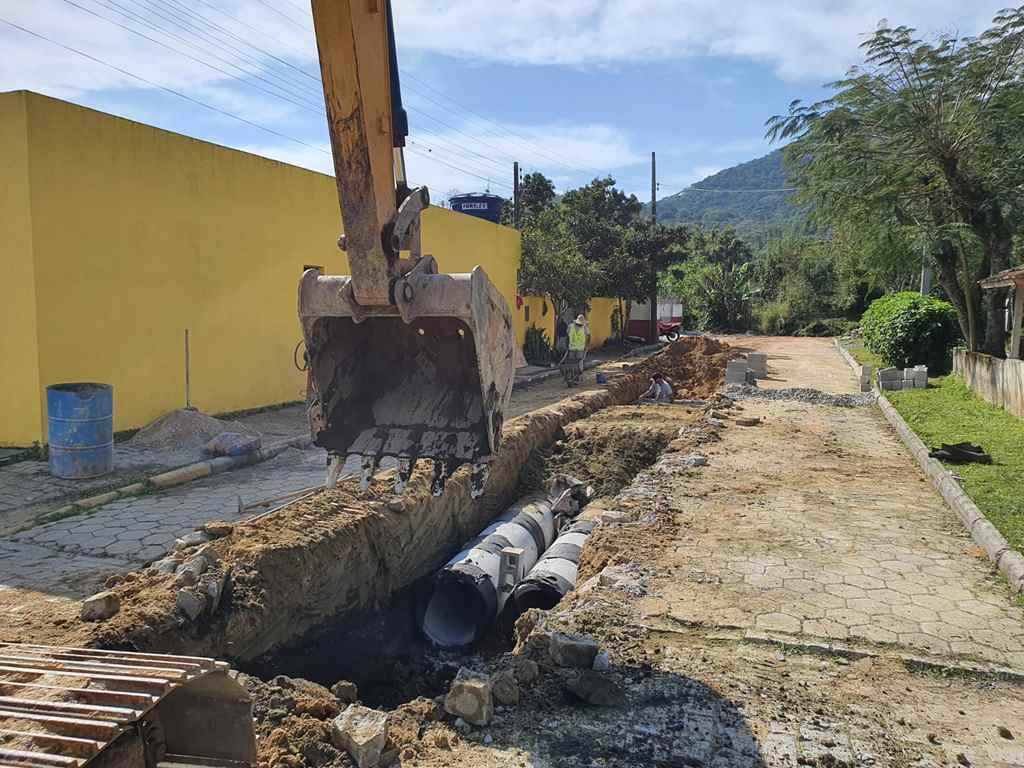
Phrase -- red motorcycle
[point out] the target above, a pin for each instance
(669, 329)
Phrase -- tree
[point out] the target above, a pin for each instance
(553, 265)
(923, 141)
(714, 281)
(536, 194)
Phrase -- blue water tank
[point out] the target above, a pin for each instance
(81, 429)
(483, 206)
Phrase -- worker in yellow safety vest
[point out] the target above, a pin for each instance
(572, 363)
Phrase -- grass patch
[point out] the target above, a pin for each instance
(863, 355)
(948, 412)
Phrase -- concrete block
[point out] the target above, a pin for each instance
(470, 697)
(362, 732)
(758, 363)
(736, 372)
(100, 606)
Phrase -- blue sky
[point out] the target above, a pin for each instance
(574, 89)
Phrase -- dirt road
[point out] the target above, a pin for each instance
(805, 599)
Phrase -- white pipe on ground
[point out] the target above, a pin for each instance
(468, 593)
(554, 575)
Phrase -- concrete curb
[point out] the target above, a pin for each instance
(178, 476)
(857, 368)
(1009, 561)
(587, 365)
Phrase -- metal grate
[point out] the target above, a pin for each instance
(63, 707)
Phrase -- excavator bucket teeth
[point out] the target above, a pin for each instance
(428, 378)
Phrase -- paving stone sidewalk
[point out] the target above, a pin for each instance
(126, 534)
(818, 524)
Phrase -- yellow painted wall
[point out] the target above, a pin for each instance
(138, 234)
(600, 318)
(538, 319)
(19, 373)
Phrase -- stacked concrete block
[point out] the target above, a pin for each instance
(758, 363)
(865, 378)
(890, 379)
(736, 372)
(916, 377)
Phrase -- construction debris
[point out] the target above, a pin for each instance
(100, 606)
(362, 732)
(572, 651)
(471, 697)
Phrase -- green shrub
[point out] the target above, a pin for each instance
(830, 326)
(536, 347)
(907, 329)
(773, 318)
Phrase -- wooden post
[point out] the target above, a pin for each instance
(1018, 320)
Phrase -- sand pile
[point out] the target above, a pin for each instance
(184, 430)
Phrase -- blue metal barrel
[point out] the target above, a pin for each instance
(81, 427)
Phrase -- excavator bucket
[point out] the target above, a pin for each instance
(66, 707)
(428, 377)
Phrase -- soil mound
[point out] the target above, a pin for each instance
(695, 365)
(183, 430)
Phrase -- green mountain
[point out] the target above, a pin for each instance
(744, 197)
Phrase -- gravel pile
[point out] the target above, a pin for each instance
(800, 394)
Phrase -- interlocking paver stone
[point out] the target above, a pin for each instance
(854, 544)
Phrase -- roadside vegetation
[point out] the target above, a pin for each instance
(948, 412)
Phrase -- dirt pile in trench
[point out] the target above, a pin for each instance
(695, 366)
(605, 451)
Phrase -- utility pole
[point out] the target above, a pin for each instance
(515, 194)
(653, 298)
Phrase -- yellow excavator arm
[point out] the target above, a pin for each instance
(405, 362)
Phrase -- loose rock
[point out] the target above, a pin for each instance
(505, 687)
(572, 650)
(602, 662)
(190, 602)
(218, 529)
(470, 697)
(345, 691)
(167, 565)
(100, 606)
(748, 421)
(1005, 732)
(362, 732)
(526, 671)
(593, 688)
(191, 540)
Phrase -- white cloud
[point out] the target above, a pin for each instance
(799, 38)
(447, 160)
(185, 52)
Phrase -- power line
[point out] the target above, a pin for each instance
(286, 17)
(527, 140)
(180, 21)
(218, 110)
(197, 60)
(287, 87)
(285, 62)
(258, 31)
(463, 170)
(152, 84)
(703, 189)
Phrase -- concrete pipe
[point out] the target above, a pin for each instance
(554, 575)
(471, 589)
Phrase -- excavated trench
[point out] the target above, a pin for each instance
(384, 651)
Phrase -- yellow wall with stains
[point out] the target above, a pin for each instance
(130, 234)
(19, 374)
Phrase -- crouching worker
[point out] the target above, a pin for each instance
(660, 390)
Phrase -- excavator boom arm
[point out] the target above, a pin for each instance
(354, 43)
